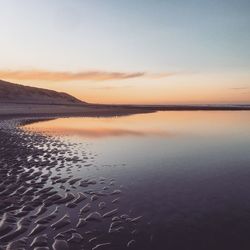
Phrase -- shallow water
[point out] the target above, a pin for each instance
(186, 173)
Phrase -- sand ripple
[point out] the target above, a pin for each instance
(41, 195)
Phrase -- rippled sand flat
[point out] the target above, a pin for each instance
(45, 205)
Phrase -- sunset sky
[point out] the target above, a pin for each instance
(129, 51)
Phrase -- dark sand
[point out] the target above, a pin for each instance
(44, 206)
(33, 110)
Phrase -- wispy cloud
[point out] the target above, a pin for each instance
(240, 88)
(44, 75)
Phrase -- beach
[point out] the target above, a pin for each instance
(8, 110)
(124, 125)
(33, 110)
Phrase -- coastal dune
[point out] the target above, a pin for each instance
(16, 93)
(18, 100)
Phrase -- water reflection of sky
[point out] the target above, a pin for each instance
(147, 139)
(154, 124)
(186, 172)
(157, 135)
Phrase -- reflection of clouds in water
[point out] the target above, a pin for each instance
(107, 132)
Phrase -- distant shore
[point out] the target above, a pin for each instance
(12, 110)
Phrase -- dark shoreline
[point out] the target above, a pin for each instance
(11, 110)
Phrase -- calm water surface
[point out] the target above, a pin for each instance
(187, 173)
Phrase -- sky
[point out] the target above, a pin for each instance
(132, 51)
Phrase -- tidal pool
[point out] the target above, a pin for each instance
(186, 173)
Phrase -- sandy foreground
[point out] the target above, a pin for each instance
(45, 205)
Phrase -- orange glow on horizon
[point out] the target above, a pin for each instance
(178, 89)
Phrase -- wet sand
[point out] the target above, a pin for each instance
(43, 205)
(9, 110)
